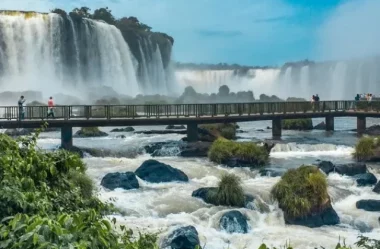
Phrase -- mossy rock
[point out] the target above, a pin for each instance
(297, 124)
(238, 154)
(227, 130)
(302, 195)
(367, 149)
(90, 132)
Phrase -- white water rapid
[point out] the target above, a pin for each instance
(163, 207)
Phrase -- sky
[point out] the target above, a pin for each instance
(248, 32)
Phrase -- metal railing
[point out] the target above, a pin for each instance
(184, 110)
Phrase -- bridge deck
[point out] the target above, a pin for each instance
(132, 115)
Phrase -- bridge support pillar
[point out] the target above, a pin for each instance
(329, 123)
(192, 132)
(276, 127)
(66, 137)
(361, 124)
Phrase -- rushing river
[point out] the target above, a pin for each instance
(163, 207)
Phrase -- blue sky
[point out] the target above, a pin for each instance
(249, 32)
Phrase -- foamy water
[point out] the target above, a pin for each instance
(163, 207)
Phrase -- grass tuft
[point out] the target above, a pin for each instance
(229, 193)
(227, 130)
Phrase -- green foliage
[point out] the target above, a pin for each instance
(226, 130)
(229, 193)
(297, 124)
(363, 242)
(366, 147)
(47, 201)
(105, 15)
(223, 150)
(301, 191)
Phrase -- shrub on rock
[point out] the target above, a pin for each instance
(126, 129)
(90, 132)
(234, 222)
(125, 181)
(238, 154)
(367, 149)
(297, 124)
(302, 195)
(226, 130)
(156, 172)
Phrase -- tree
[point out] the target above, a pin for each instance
(59, 12)
(83, 12)
(224, 91)
(105, 15)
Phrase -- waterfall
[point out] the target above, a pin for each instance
(331, 80)
(155, 77)
(53, 54)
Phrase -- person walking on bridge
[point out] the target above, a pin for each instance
(51, 108)
(21, 111)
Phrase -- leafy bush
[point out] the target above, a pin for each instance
(227, 130)
(301, 191)
(47, 201)
(229, 193)
(365, 148)
(222, 150)
(297, 124)
(91, 132)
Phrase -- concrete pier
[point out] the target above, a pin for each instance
(361, 124)
(329, 123)
(192, 132)
(277, 127)
(66, 137)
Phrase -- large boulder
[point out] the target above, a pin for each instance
(90, 132)
(125, 181)
(206, 195)
(369, 205)
(302, 195)
(320, 126)
(376, 189)
(18, 132)
(196, 149)
(351, 169)
(374, 130)
(234, 222)
(327, 216)
(326, 166)
(156, 172)
(182, 238)
(126, 129)
(366, 179)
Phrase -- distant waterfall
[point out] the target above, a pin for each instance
(52, 54)
(154, 76)
(330, 80)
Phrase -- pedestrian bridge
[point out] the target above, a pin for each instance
(67, 117)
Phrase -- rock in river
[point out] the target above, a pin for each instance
(234, 222)
(125, 181)
(156, 172)
(369, 205)
(366, 179)
(182, 238)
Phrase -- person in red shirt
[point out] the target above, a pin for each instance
(51, 107)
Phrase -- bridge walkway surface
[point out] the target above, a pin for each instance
(67, 117)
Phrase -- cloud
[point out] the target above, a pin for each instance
(352, 30)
